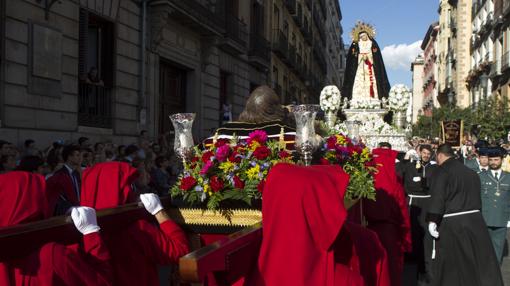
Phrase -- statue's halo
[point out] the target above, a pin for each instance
(362, 27)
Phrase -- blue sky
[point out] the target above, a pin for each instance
(400, 27)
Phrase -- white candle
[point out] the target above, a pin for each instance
(184, 140)
(305, 134)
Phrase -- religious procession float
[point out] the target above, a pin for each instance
(221, 186)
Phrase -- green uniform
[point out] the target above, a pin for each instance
(496, 207)
(472, 164)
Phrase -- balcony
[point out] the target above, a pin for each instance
(321, 60)
(309, 4)
(291, 6)
(235, 39)
(259, 54)
(292, 56)
(94, 106)
(307, 35)
(278, 89)
(505, 61)
(206, 16)
(280, 43)
(298, 16)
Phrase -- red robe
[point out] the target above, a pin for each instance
(138, 249)
(373, 262)
(303, 214)
(62, 183)
(25, 199)
(388, 216)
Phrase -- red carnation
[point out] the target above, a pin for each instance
(234, 158)
(221, 142)
(262, 152)
(207, 156)
(187, 183)
(283, 154)
(261, 186)
(324, 161)
(331, 142)
(216, 183)
(238, 183)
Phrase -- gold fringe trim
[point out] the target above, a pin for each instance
(208, 217)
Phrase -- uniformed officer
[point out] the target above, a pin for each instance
(416, 175)
(495, 192)
(474, 162)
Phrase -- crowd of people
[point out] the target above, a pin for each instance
(154, 159)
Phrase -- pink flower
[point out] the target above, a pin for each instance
(206, 167)
(222, 153)
(259, 136)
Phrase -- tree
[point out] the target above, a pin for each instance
(490, 116)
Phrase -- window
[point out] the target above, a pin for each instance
(276, 17)
(275, 76)
(95, 66)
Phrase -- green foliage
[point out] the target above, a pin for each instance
(492, 115)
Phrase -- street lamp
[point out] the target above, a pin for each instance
(451, 96)
(483, 82)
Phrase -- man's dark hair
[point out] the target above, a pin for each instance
(30, 163)
(131, 149)
(28, 142)
(2, 143)
(160, 160)
(82, 139)
(426, 147)
(69, 150)
(263, 105)
(446, 149)
(97, 144)
(384, 145)
(119, 148)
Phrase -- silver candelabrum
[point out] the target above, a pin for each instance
(306, 142)
(183, 140)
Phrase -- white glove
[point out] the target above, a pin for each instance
(433, 229)
(85, 219)
(151, 203)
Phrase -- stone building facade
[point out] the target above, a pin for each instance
(453, 51)
(108, 69)
(417, 97)
(500, 70)
(49, 49)
(430, 70)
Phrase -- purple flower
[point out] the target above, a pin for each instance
(258, 135)
(206, 168)
(222, 153)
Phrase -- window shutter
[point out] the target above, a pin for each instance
(83, 40)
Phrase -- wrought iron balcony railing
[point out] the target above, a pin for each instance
(94, 106)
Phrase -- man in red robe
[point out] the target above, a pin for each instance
(388, 215)
(303, 215)
(25, 199)
(138, 248)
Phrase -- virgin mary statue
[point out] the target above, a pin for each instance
(365, 76)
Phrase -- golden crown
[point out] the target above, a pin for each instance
(362, 27)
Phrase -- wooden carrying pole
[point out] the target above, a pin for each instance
(19, 240)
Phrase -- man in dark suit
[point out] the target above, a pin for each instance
(67, 181)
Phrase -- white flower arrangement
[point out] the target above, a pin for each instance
(373, 130)
(398, 99)
(330, 98)
(365, 103)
